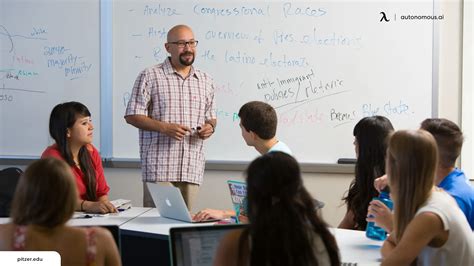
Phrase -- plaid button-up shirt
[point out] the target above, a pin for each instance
(162, 94)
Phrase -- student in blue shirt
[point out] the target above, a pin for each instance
(449, 139)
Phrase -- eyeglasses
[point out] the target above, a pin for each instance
(182, 44)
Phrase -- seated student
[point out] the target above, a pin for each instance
(429, 228)
(283, 228)
(258, 123)
(44, 201)
(71, 127)
(449, 139)
(370, 146)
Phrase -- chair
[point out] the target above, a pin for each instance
(8, 180)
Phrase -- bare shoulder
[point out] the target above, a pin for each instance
(6, 235)
(103, 234)
(428, 220)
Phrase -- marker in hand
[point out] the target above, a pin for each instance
(196, 129)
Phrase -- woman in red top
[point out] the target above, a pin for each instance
(71, 127)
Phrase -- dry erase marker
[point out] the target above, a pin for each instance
(196, 128)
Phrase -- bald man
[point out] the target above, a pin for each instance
(173, 106)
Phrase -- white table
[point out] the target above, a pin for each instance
(119, 218)
(354, 246)
(151, 224)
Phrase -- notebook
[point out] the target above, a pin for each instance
(197, 245)
(238, 195)
(170, 203)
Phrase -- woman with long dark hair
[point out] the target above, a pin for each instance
(370, 144)
(71, 128)
(284, 229)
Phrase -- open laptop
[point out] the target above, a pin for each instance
(170, 203)
(238, 195)
(197, 245)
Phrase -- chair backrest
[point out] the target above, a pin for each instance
(8, 180)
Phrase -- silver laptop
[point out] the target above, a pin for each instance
(170, 203)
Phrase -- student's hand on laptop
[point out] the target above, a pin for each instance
(381, 182)
(207, 214)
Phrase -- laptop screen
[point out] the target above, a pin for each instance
(196, 246)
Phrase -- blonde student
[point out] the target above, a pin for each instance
(44, 201)
(429, 227)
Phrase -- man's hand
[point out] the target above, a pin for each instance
(206, 131)
(381, 182)
(175, 131)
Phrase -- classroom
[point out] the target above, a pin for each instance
(323, 66)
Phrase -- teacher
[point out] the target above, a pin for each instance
(173, 106)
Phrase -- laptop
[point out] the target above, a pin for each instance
(238, 195)
(197, 245)
(170, 203)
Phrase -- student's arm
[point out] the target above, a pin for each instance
(175, 131)
(388, 245)
(418, 234)
(102, 205)
(348, 221)
(207, 214)
(381, 182)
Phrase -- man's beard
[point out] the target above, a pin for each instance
(183, 61)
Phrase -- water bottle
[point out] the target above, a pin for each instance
(374, 232)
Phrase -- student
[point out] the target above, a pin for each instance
(370, 146)
(71, 127)
(258, 123)
(44, 201)
(449, 139)
(429, 228)
(283, 228)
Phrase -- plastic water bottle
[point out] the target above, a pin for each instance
(374, 232)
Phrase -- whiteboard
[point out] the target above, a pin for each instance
(49, 53)
(322, 65)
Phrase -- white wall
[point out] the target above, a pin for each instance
(126, 183)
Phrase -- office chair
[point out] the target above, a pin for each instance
(8, 180)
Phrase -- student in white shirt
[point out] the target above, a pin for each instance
(429, 228)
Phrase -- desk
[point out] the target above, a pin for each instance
(151, 224)
(118, 219)
(354, 246)
(149, 232)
